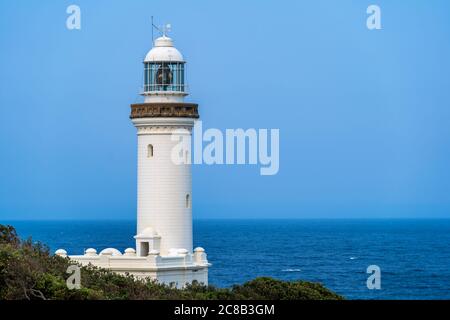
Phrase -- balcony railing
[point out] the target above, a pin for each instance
(149, 88)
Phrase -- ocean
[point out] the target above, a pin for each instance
(413, 255)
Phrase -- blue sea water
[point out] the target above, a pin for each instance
(414, 255)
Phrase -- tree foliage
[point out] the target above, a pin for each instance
(29, 271)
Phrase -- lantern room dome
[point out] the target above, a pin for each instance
(163, 50)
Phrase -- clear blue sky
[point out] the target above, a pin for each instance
(364, 116)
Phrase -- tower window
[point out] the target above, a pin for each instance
(188, 201)
(150, 151)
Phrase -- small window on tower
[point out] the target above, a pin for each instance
(188, 201)
(150, 151)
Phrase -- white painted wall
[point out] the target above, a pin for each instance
(163, 185)
(179, 270)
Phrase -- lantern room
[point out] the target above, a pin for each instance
(164, 70)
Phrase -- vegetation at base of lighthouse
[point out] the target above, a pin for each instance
(28, 272)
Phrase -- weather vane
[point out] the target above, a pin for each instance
(166, 28)
(163, 30)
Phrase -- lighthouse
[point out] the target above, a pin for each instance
(164, 246)
(164, 199)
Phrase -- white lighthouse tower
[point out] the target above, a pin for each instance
(164, 219)
(164, 249)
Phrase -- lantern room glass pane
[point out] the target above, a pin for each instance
(164, 76)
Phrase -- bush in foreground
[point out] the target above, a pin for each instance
(29, 271)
